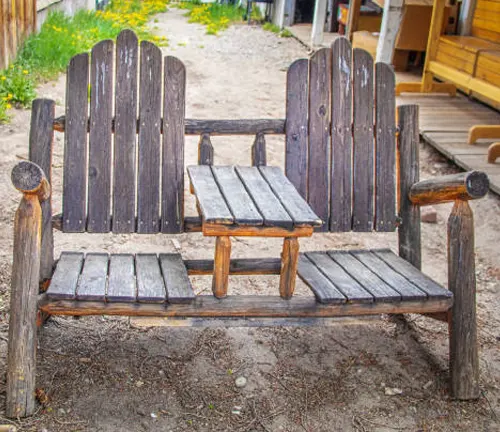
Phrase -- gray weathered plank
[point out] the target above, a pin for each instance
(101, 103)
(320, 81)
(323, 289)
(205, 150)
(65, 279)
(259, 157)
(369, 280)
(179, 289)
(269, 205)
(124, 181)
(235, 127)
(211, 202)
(148, 187)
(93, 280)
(385, 148)
(363, 148)
(297, 125)
(341, 164)
(236, 196)
(75, 146)
(150, 286)
(121, 281)
(172, 203)
(295, 205)
(342, 280)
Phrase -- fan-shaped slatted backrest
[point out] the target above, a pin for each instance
(124, 175)
(340, 138)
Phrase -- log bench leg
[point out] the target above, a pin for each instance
(289, 264)
(493, 152)
(221, 266)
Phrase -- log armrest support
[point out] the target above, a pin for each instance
(28, 178)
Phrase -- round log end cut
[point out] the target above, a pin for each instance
(27, 177)
(477, 184)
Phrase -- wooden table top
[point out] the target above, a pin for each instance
(249, 196)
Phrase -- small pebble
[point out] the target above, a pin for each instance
(139, 383)
(393, 391)
(153, 415)
(85, 360)
(428, 215)
(240, 382)
(427, 385)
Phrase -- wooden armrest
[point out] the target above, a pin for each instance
(28, 178)
(463, 186)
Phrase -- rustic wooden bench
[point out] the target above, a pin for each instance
(345, 155)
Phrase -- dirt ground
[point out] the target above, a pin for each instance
(112, 374)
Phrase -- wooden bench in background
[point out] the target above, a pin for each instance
(342, 151)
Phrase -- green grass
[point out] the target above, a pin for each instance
(275, 29)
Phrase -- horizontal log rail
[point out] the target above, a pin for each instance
(463, 186)
(212, 127)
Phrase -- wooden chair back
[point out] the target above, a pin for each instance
(486, 21)
(122, 157)
(341, 138)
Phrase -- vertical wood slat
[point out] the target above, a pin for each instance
(40, 152)
(205, 150)
(363, 148)
(3, 35)
(385, 148)
(11, 33)
(148, 188)
(172, 205)
(320, 80)
(296, 125)
(259, 157)
(124, 177)
(101, 102)
(341, 169)
(75, 145)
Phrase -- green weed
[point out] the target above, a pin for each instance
(275, 29)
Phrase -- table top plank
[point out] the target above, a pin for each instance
(236, 196)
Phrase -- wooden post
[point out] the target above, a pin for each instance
(353, 18)
(289, 264)
(466, 15)
(259, 150)
(464, 362)
(205, 150)
(391, 21)
(318, 26)
(222, 260)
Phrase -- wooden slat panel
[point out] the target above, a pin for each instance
(407, 290)
(179, 289)
(344, 282)
(148, 187)
(75, 146)
(341, 164)
(370, 281)
(297, 125)
(101, 102)
(121, 283)
(125, 133)
(150, 287)
(237, 198)
(323, 289)
(92, 284)
(362, 208)
(294, 204)
(211, 202)
(172, 205)
(269, 205)
(320, 81)
(385, 148)
(65, 278)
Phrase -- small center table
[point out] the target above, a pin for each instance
(251, 201)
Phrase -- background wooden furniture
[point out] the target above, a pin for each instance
(341, 161)
(370, 17)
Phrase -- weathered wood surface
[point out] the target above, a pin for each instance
(289, 263)
(28, 178)
(259, 157)
(205, 150)
(179, 289)
(464, 360)
(241, 266)
(65, 279)
(93, 279)
(150, 285)
(255, 231)
(222, 258)
(121, 281)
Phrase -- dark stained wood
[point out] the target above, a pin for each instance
(363, 147)
(385, 148)
(179, 289)
(121, 281)
(461, 186)
(289, 197)
(236, 196)
(323, 289)
(320, 81)
(148, 187)
(464, 360)
(409, 229)
(341, 154)
(124, 175)
(75, 146)
(241, 266)
(93, 280)
(101, 103)
(289, 263)
(222, 258)
(172, 203)
(65, 279)
(150, 286)
(269, 205)
(259, 150)
(205, 150)
(211, 202)
(297, 125)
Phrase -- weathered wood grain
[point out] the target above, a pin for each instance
(65, 279)
(29, 178)
(222, 259)
(241, 266)
(93, 280)
(217, 229)
(205, 150)
(121, 281)
(289, 264)
(175, 276)
(150, 286)
(259, 157)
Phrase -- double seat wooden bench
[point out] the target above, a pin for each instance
(124, 173)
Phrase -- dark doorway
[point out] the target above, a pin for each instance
(304, 11)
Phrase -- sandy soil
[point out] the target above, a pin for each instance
(112, 374)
